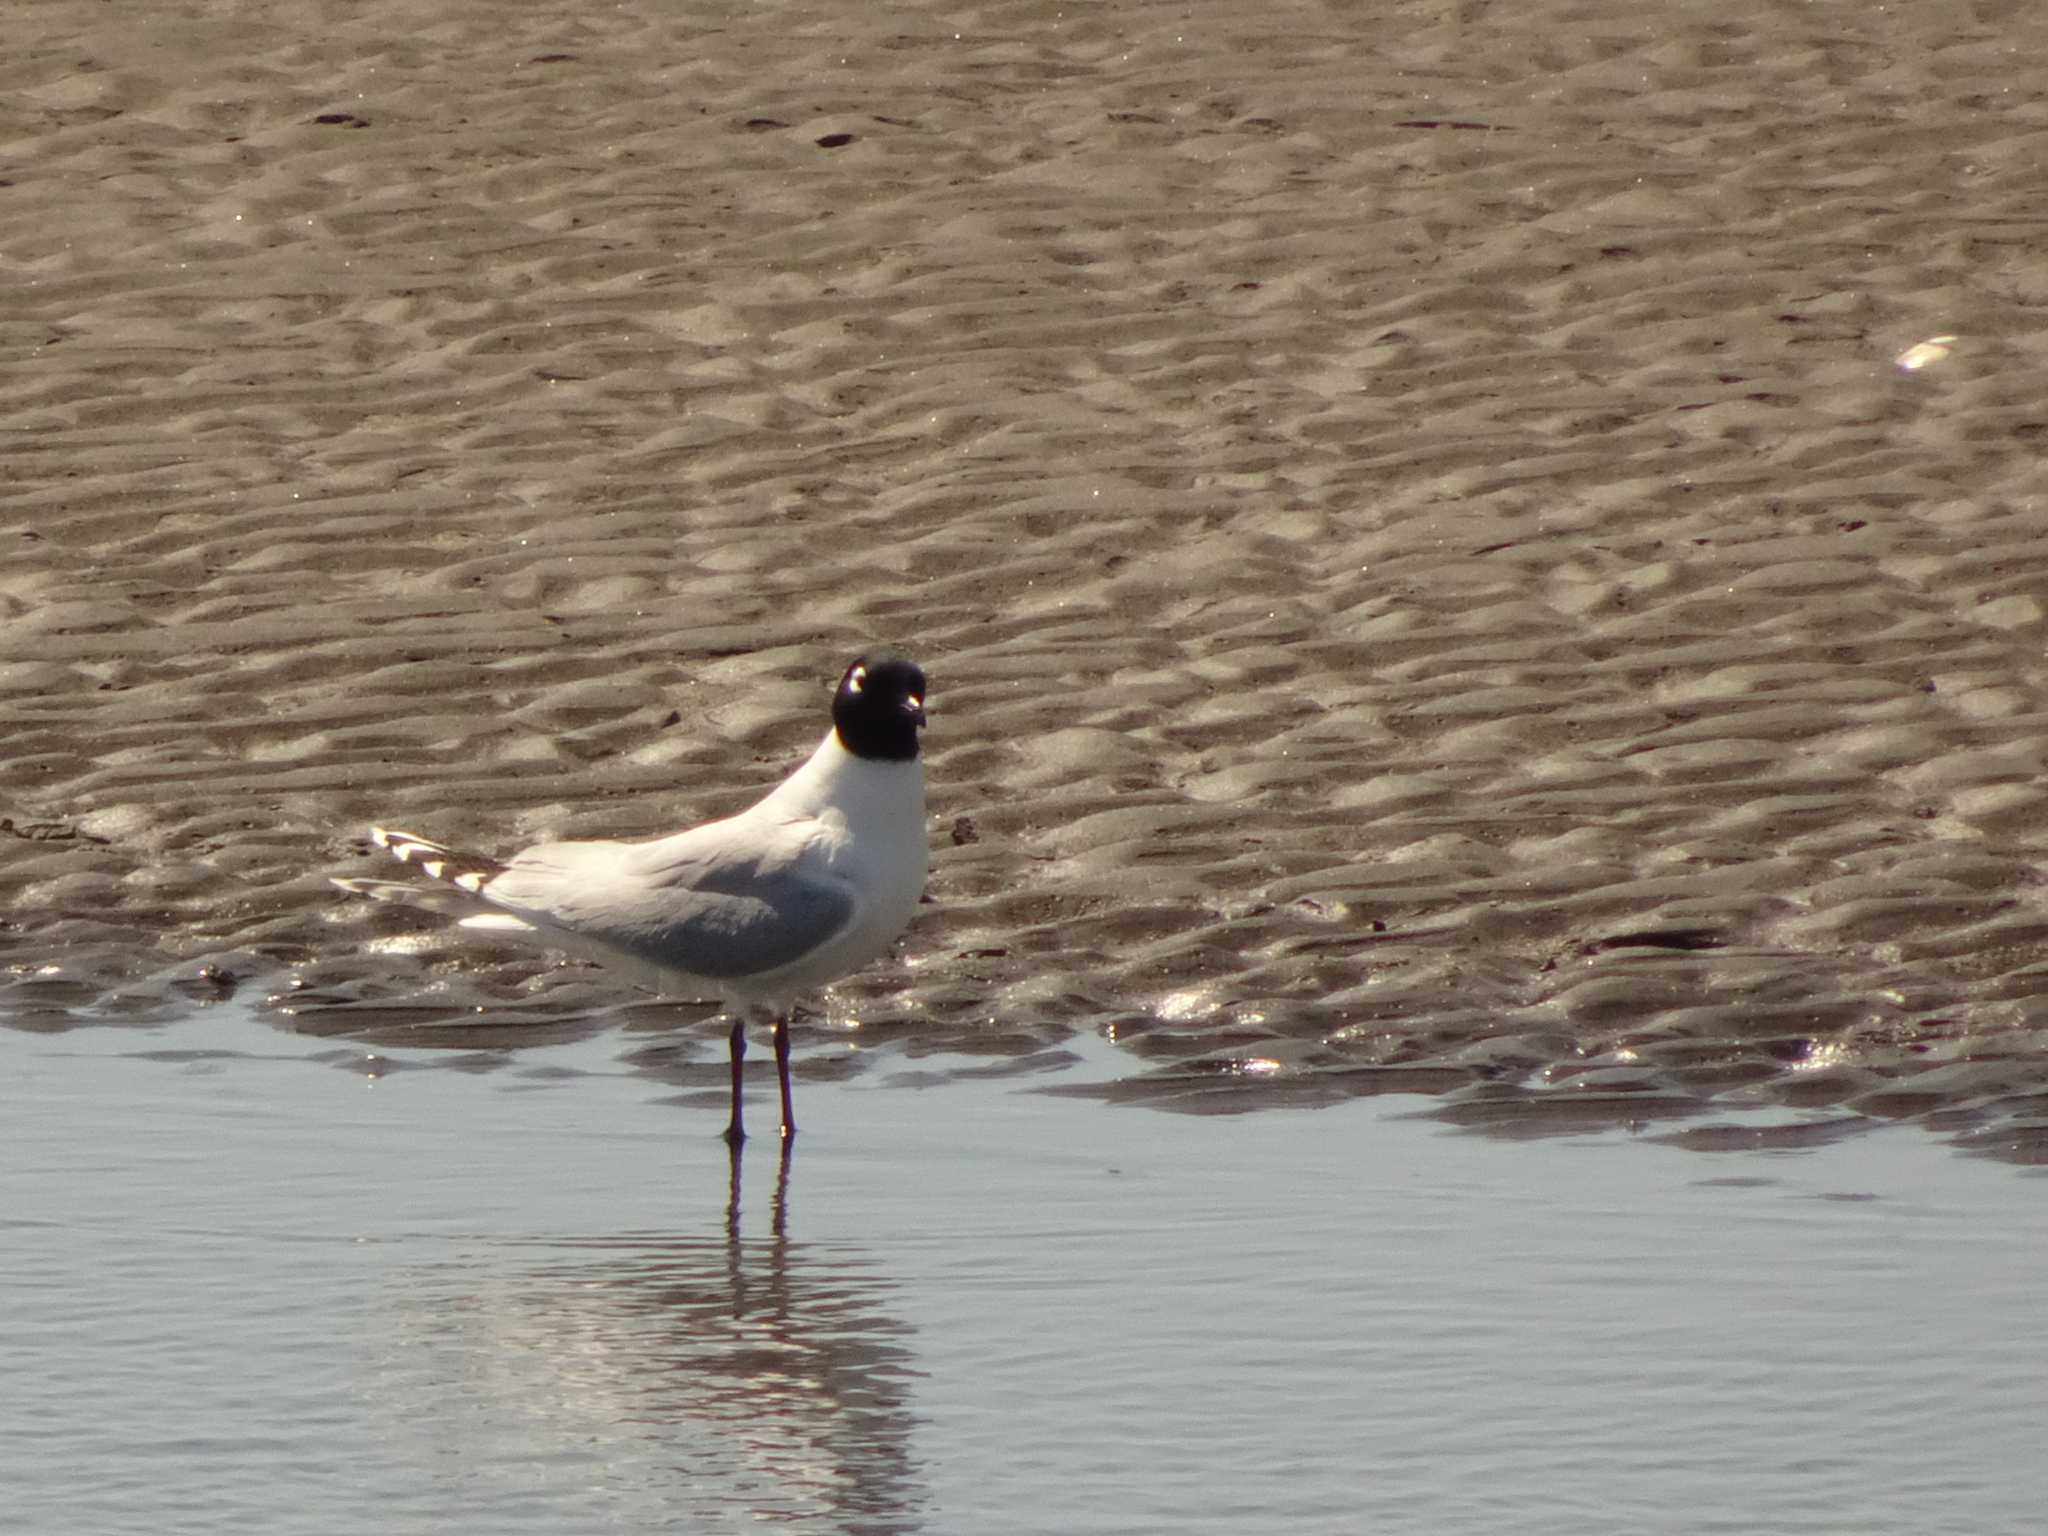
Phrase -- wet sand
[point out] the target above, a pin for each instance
(1429, 570)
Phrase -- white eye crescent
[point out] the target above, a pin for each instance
(855, 679)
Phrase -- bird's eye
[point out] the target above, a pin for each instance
(855, 678)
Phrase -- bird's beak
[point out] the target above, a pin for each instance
(915, 704)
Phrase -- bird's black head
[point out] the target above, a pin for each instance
(879, 708)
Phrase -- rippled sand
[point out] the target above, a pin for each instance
(1430, 572)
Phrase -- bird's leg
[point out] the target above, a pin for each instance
(735, 1133)
(782, 1075)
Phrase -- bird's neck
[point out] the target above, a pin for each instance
(834, 777)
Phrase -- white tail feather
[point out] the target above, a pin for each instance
(458, 879)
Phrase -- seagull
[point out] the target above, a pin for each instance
(805, 886)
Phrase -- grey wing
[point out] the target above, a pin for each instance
(716, 908)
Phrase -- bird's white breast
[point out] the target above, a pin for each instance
(864, 824)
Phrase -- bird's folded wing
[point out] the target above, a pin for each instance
(722, 911)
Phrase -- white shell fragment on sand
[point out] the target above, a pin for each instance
(1924, 354)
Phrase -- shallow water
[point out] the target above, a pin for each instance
(258, 1281)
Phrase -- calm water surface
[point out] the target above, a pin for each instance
(254, 1282)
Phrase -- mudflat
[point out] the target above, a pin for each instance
(1432, 569)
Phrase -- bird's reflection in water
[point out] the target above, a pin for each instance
(722, 1378)
(779, 1212)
